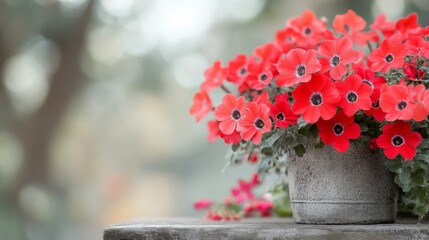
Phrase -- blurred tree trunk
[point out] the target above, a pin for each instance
(35, 132)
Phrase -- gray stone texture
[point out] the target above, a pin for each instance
(271, 228)
(328, 187)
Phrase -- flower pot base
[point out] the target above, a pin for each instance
(343, 212)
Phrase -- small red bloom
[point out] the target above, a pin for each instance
(214, 131)
(229, 113)
(202, 204)
(417, 46)
(201, 106)
(269, 54)
(263, 98)
(315, 99)
(255, 122)
(373, 144)
(387, 28)
(337, 54)
(407, 23)
(297, 67)
(421, 108)
(413, 73)
(369, 78)
(388, 55)
(260, 75)
(355, 95)
(281, 112)
(310, 28)
(338, 130)
(397, 138)
(264, 207)
(238, 69)
(350, 24)
(375, 110)
(397, 101)
(214, 77)
(287, 37)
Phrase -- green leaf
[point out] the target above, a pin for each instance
(319, 145)
(404, 176)
(234, 147)
(299, 150)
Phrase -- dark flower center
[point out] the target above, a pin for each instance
(280, 116)
(259, 123)
(347, 28)
(352, 97)
(397, 140)
(263, 77)
(236, 114)
(242, 71)
(300, 70)
(335, 60)
(338, 129)
(368, 82)
(316, 99)
(389, 58)
(402, 105)
(376, 104)
(307, 31)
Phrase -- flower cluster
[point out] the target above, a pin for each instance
(342, 85)
(241, 202)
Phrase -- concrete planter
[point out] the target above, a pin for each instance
(327, 187)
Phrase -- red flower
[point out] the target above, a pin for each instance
(259, 76)
(229, 113)
(397, 138)
(351, 25)
(253, 158)
(368, 77)
(255, 122)
(281, 112)
(243, 191)
(407, 23)
(263, 98)
(297, 67)
(375, 110)
(398, 102)
(214, 131)
(287, 36)
(310, 28)
(373, 144)
(268, 54)
(338, 54)
(315, 99)
(202, 204)
(387, 28)
(201, 106)
(388, 55)
(237, 69)
(264, 207)
(355, 95)
(338, 130)
(215, 75)
(417, 46)
(421, 108)
(413, 73)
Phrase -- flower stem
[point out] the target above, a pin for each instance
(225, 89)
(369, 46)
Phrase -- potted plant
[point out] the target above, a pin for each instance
(346, 110)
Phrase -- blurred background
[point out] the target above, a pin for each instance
(94, 100)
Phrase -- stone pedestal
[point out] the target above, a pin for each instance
(268, 228)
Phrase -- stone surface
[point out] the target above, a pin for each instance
(271, 228)
(328, 187)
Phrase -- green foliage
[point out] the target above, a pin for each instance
(413, 179)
